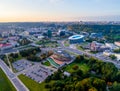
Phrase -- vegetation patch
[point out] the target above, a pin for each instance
(47, 63)
(31, 84)
(5, 84)
(82, 66)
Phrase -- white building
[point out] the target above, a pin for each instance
(111, 46)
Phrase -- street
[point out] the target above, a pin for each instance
(13, 78)
(86, 53)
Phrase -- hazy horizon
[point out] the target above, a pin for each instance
(59, 10)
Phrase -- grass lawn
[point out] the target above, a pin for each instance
(47, 63)
(39, 42)
(5, 84)
(19, 57)
(52, 45)
(81, 66)
(116, 36)
(48, 43)
(79, 47)
(31, 84)
(93, 52)
(66, 43)
(72, 53)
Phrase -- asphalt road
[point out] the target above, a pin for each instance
(14, 80)
(8, 51)
(86, 53)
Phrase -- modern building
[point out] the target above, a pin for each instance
(49, 33)
(61, 32)
(96, 35)
(76, 39)
(95, 46)
(85, 34)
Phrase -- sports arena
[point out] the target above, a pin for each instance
(76, 39)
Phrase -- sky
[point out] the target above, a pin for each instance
(59, 10)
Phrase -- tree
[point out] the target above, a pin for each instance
(79, 59)
(75, 67)
(50, 53)
(90, 83)
(108, 71)
(112, 57)
(115, 87)
(47, 86)
(117, 50)
(92, 89)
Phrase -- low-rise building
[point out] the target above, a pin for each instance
(96, 35)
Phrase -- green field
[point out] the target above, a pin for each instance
(5, 84)
(79, 47)
(48, 43)
(52, 45)
(81, 66)
(66, 43)
(31, 84)
(71, 53)
(47, 63)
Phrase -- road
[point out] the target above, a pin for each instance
(89, 54)
(13, 78)
(8, 51)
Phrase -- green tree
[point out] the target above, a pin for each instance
(115, 87)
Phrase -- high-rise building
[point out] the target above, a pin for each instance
(49, 33)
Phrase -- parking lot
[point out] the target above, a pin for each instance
(22, 64)
(38, 73)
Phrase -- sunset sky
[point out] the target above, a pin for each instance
(59, 10)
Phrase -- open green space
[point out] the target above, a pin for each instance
(47, 63)
(66, 43)
(117, 36)
(84, 67)
(79, 47)
(18, 58)
(71, 53)
(31, 84)
(5, 84)
(48, 43)
(53, 45)
(93, 52)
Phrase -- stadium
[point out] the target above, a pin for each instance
(76, 39)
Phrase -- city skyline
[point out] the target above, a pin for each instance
(59, 10)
